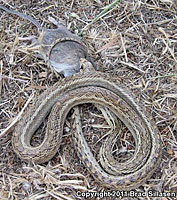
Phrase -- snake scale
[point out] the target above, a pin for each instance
(105, 90)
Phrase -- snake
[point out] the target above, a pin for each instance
(107, 91)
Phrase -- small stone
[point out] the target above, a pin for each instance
(26, 186)
(67, 129)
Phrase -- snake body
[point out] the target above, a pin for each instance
(103, 89)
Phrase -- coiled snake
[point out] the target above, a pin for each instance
(100, 88)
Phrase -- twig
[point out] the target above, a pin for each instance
(132, 66)
(100, 15)
(17, 118)
(165, 75)
(11, 78)
(123, 46)
(1, 68)
(167, 44)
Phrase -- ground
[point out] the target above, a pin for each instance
(135, 40)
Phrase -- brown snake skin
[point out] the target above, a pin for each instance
(99, 88)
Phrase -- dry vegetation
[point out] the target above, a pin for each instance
(135, 40)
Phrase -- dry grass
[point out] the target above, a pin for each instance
(136, 40)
